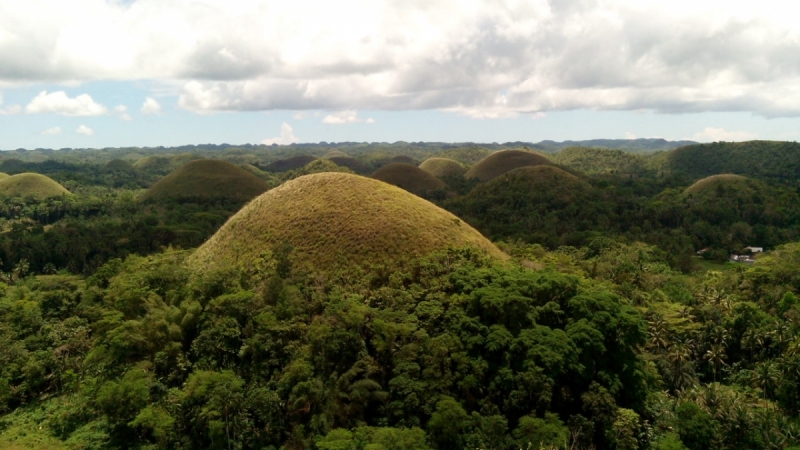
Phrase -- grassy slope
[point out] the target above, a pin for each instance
(336, 220)
(207, 178)
(715, 180)
(755, 159)
(408, 177)
(351, 163)
(504, 161)
(30, 184)
(443, 167)
(295, 162)
(3, 175)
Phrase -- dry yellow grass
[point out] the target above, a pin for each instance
(207, 179)
(334, 221)
(3, 175)
(411, 178)
(712, 181)
(31, 185)
(351, 163)
(504, 161)
(403, 159)
(443, 167)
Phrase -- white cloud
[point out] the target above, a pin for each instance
(10, 109)
(84, 130)
(482, 58)
(287, 136)
(122, 112)
(150, 107)
(629, 135)
(710, 134)
(342, 117)
(59, 103)
(51, 131)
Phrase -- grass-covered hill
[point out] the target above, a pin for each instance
(331, 221)
(601, 161)
(163, 164)
(443, 167)
(3, 175)
(504, 161)
(409, 177)
(292, 163)
(755, 159)
(119, 165)
(334, 154)
(351, 163)
(207, 179)
(530, 203)
(717, 185)
(641, 145)
(403, 159)
(30, 185)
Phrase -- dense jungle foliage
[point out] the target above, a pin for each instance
(604, 331)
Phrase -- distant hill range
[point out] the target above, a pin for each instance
(628, 145)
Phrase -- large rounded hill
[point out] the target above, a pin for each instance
(411, 178)
(334, 221)
(443, 167)
(504, 161)
(31, 185)
(535, 204)
(207, 179)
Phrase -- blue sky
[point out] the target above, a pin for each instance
(78, 73)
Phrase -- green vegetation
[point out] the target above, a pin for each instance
(207, 179)
(340, 312)
(351, 163)
(30, 185)
(504, 161)
(767, 160)
(408, 177)
(598, 161)
(443, 167)
(306, 218)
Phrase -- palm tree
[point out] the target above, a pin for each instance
(716, 356)
(681, 370)
(765, 377)
(659, 334)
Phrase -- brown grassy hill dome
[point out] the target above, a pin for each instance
(295, 162)
(351, 163)
(443, 167)
(3, 175)
(334, 221)
(411, 178)
(403, 159)
(504, 161)
(334, 154)
(163, 164)
(207, 179)
(713, 182)
(31, 185)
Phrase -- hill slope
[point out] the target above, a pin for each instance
(755, 159)
(294, 162)
(408, 177)
(207, 179)
(504, 161)
(334, 221)
(31, 184)
(443, 167)
(600, 161)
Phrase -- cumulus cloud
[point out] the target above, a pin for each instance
(483, 58)
(122, 112)
(150, 107)
(287, 136)
(11, 109)
(51, 131)
(59, 103)
(342, 117)
(84, 130)
(711, 134)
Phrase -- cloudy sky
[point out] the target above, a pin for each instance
(95, 73)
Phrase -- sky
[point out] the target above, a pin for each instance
(117, 73)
